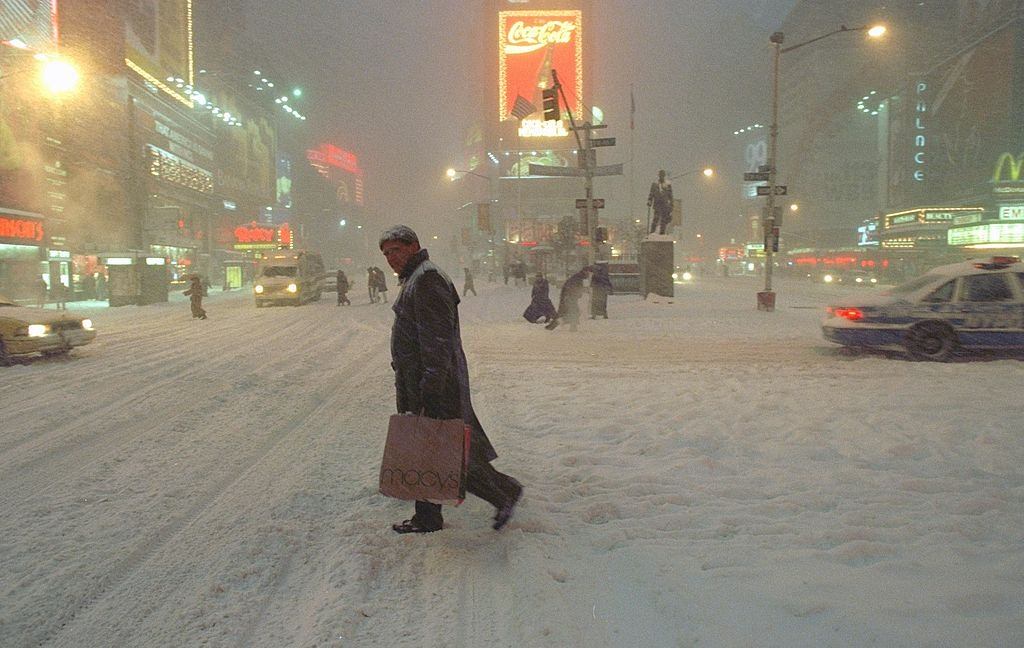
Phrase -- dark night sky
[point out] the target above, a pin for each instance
(385, 78)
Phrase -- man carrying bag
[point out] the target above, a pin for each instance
(432, 379)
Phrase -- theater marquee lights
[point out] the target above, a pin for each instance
(530, 45)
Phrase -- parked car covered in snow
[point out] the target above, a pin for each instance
(971, 305)
(28, 331)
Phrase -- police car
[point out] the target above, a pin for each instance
(972, 305)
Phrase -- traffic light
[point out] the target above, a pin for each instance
(549, 99)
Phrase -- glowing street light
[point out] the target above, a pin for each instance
(708, 172)
(59, 76)
(794, 207)
(877, 31)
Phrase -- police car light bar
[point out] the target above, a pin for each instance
(997, 263)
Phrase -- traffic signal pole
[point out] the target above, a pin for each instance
(589, 160)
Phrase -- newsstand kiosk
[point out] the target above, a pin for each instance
(137, 280)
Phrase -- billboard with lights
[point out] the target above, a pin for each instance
(158, 43)
(28, 23)
(530, 45)
(341, 168)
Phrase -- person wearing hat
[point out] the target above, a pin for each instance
(660, 199)
(195, 297)
(432, 375)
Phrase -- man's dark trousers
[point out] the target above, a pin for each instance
(484, 481)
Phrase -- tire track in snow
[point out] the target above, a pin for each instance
(123, 569)
(82, 450)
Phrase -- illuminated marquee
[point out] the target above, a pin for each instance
(988, 235)
(20, 229)
(530, 45)
(254, 236)
(929, 216)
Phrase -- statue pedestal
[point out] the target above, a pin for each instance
(657, 263)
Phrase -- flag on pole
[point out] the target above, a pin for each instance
(632, 109)
(522, 108)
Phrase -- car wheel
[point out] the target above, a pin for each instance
(933, 341)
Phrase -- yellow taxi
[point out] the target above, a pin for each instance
(28, 331)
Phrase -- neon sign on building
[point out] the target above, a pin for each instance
(530, 45)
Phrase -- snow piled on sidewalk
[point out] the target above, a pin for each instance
(697, 473)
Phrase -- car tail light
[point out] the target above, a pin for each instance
(852, 314)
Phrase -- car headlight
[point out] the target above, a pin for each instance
(87, 324)
(675, 275)
(258, 289)
(38, 330)
(873, 280)
(687, 276)
(292, 288)
(827, 278)
(859, 279)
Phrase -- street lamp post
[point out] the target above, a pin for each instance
(766, 298)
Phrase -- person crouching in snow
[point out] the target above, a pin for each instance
(540, 304)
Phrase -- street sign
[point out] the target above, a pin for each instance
(581, 203)
(764, 190)
(764, 168)
(603, 141)
(755, 177)
(553, 171)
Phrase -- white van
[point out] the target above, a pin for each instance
(289, 277)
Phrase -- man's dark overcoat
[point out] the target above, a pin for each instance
(431, 373)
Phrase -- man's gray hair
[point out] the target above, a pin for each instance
(401, 233)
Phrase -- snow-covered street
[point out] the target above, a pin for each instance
(697, 473)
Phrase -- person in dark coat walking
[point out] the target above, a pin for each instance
(660, 199)
(600, 288)
(382, 284)
(371, 284)
(195, 294)
(569, 301)
(467, 286)
(342, 283)
(540, 305)
(431, 373)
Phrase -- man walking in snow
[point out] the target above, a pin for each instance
(431, 373)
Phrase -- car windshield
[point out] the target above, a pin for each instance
(279, 271)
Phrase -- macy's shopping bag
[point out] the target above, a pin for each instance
(425, 459)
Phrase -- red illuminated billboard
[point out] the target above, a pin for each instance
(530, 45)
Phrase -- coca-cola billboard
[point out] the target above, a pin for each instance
(530, 45)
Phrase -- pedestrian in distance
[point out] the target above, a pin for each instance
(342, 284)
(569, 301)
(600, 288)
(382, 285)
(467, 286)
(660, 199)
(431, 373)
(101, 286)
(60, 295)
(41, 290)
(519, 272)
(371, 284)
(505, 270)
(195, 294)
(540, 308)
